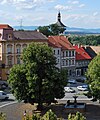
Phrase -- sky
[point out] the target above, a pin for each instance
(74, 13)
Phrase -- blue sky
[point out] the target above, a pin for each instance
(74, 13)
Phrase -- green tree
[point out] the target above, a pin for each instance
(93, 75)
(37, 79)
(56, 30)
(2, 116)
(85, 40)
(77, 116)
(52, 29)
(50, 115)
(45, 30)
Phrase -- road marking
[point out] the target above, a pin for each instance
(8, 104)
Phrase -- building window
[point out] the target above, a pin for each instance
(58, 52)
(54, 52)
(58, 60)
(66, 62)
(18, 59)
(10, 60)
(9, 49)
(18, 49)
(72, 62)
(63, 63)
(9, 36)
(69, 53)
(24, 46)
(69, 62)
(63, 53)
(66, 53)
(72, 53)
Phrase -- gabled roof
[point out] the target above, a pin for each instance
(29, 35)
(60, 24)
(5, 26)
(81, 54)
(96, 49)
(90, 51)
(60, 41)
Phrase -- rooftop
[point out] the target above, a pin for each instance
(60, 41)
(29, 35)
(81, 54)
(5, 26)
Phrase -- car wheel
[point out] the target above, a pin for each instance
(6, 98)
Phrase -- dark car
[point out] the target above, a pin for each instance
(82, 79)
(3, 85)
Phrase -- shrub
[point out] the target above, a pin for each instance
(49, 115)
(77, 116)
(2, 116)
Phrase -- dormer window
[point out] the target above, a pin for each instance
(9, 36)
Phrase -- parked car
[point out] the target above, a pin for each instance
(3, 95)
(3, 85)
(81, 79)
(83, 87)
(69, 89)
(71, 81)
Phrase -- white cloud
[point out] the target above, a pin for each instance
(81, 5)
(75, 2)
(25, 4)
(75, 17)
(95, 14)
(62, 7)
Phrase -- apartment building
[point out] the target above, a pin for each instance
(12, 44)
(82, 60)
(64, 53)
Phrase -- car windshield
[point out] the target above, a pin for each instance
(85, 86)
(3, 93)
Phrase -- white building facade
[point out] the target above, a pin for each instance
(64, 53)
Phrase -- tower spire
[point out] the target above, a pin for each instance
(59, 16)
(59, 23)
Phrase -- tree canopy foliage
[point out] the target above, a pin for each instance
(93, 75)
(37, 79)
(77, 116)
(85, 40)
(52, 29)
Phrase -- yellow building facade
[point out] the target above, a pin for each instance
(12, 44)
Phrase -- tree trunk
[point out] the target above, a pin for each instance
(39, 107)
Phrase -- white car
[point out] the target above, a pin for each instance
(71, 81)
(69, 89)
(3, 95)
(83, 87)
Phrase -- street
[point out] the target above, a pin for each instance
(14, 110)
(68, 96)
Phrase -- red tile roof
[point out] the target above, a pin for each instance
(60, 41)
(3, 26)
(81, 54)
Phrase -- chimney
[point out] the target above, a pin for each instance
(73, 44)
(78, 45)
(81, 45)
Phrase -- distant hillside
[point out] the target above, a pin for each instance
(69, 30)
(25, 27)
(82, 31)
